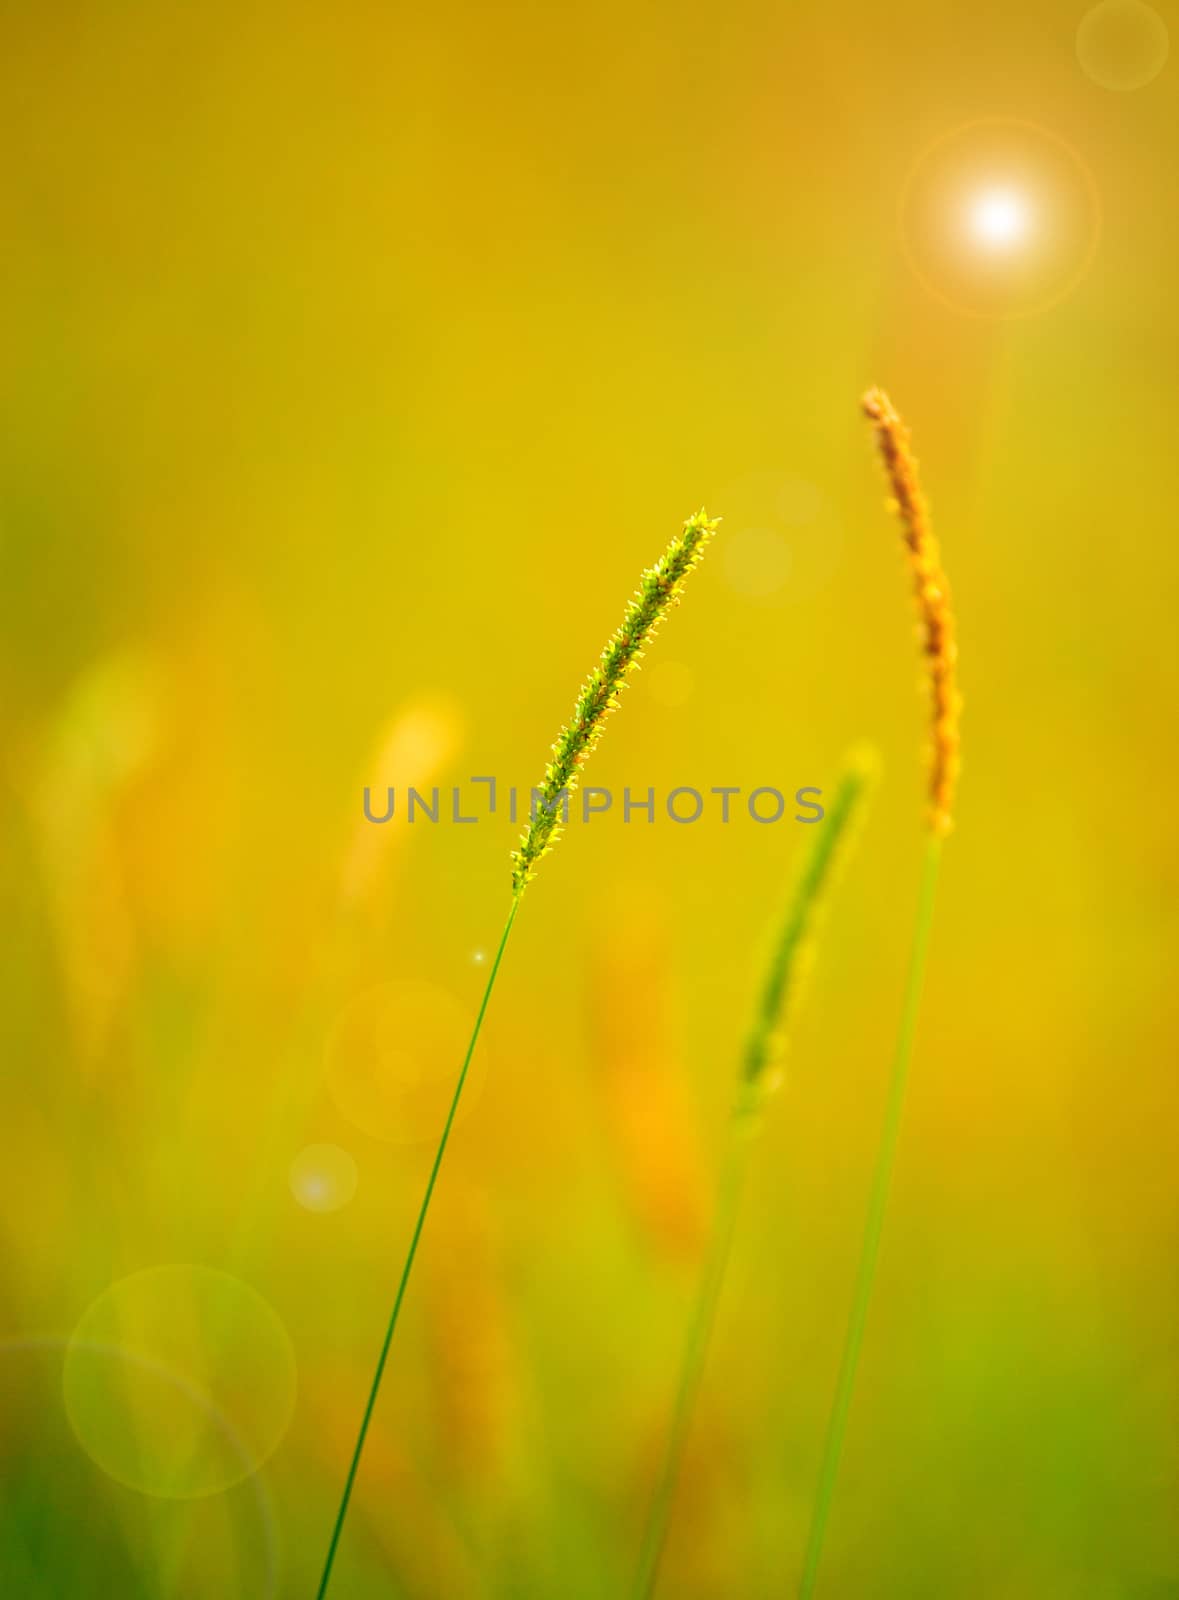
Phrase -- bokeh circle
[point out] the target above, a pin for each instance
(784, 539)
(757, 562)
(393, 1057)
(999, 218)
(220, 1547)
(323, 1177)
(1122, 44)
(206, 1389)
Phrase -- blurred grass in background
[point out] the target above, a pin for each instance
(354, 363)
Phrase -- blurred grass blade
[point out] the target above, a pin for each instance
(757, 1080)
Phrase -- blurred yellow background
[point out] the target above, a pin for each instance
(355, 361)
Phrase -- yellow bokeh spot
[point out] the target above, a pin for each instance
(393, 1059)
(783, 539)
(757, 562)
(1122, 44)
(179, 1381)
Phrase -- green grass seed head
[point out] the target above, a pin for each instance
(659, 590)
(792, 949)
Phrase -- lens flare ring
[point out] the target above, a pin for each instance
(999, 218)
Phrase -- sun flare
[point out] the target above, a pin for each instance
(999, 219)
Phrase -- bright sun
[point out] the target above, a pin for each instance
(998, 218)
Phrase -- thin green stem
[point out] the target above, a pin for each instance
(874, 1225)
(409, 1259)
(695, 1353)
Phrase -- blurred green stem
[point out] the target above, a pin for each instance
(695, 1353)
(409, 1259)
(874, 1225)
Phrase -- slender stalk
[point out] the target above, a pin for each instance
(660, 588)
(695, 1353)
(409, 1259)
(759, 1076)
(877, 1205)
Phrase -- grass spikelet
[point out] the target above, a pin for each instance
(932, 592)
(937, 620)
(659, 590)
(793, 950)
(765, 1046)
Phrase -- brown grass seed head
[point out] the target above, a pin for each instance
(932, 592)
